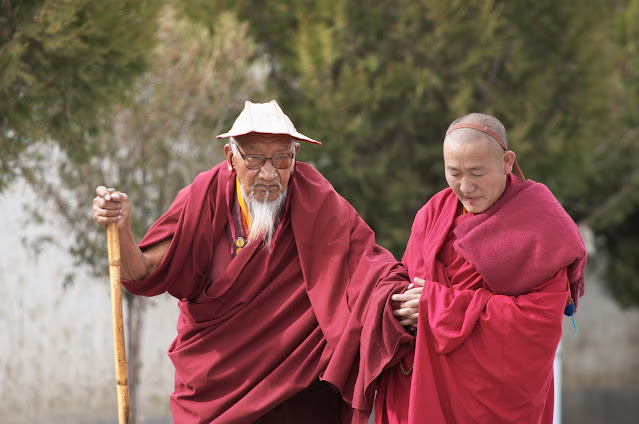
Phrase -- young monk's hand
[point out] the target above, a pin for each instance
(407, 312)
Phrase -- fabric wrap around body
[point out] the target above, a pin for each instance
(490, 315)
(315, 305)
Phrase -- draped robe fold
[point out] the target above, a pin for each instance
(490, 314)
(271, 323)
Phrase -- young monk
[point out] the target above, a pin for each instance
(501, 260)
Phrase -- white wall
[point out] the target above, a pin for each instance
(605, 351)
(56, 348)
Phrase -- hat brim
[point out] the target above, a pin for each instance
(294, 134)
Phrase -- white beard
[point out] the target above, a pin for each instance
(264, 216)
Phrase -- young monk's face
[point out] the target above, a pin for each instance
(476, 170)
(267, 182)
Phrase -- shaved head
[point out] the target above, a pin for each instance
(484, 120)
(465, 135)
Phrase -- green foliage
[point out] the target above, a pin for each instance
(154, 146)
(376, 82)
(61, 64)
(615, 184)
(622, 251)
(379, 83)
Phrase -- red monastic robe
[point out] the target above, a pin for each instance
(490, 314)
(265, 325)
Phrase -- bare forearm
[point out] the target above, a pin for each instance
(134, 265)
(137, 264)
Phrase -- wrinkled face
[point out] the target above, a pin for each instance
(476, 170)
(266, 182)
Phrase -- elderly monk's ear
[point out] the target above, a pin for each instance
(228, 152)
(509, 161)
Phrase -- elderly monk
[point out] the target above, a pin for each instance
(284, 296)
(501, 260)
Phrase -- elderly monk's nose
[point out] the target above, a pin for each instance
(268, 172)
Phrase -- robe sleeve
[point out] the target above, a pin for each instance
(383, 339)
(190, 223)
(501, 346)
(349, 280)
(164, 228)
(370, 336)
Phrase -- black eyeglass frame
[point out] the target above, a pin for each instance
(264, 159)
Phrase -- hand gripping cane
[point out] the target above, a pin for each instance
(121, 375)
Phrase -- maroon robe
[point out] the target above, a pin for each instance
(491, 312)
(271, 323)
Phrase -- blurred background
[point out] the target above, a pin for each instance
(131, 94)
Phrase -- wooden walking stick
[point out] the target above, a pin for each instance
(121, 376)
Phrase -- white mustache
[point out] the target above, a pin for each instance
(264, 183)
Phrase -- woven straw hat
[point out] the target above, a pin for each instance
(264, 118)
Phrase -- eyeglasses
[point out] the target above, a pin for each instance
(255, 161)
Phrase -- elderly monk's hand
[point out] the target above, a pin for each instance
(407, 312)
(110, 206)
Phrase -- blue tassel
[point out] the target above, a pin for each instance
(570, 311)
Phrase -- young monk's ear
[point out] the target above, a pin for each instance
(509, 161)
